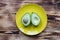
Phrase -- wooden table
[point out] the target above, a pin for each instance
(9, 30)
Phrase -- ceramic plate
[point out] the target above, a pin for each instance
(31, 29)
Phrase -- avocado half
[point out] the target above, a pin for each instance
(35, 19)
(26, 19)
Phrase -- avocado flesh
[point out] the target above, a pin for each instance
(35, 19)
(26, 19)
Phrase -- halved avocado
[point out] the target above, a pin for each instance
(35, 19)
(26, 19)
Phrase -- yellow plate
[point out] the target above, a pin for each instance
(31, 29)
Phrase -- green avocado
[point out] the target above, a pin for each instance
(35, 19)
(26, 19)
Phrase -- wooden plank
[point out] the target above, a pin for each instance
(9, 30)
(7, 23)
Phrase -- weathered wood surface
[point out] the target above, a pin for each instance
(9, 30)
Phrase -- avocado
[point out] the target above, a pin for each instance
(35, 19)
(26, 19)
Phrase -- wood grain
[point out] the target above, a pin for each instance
(8, 27)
